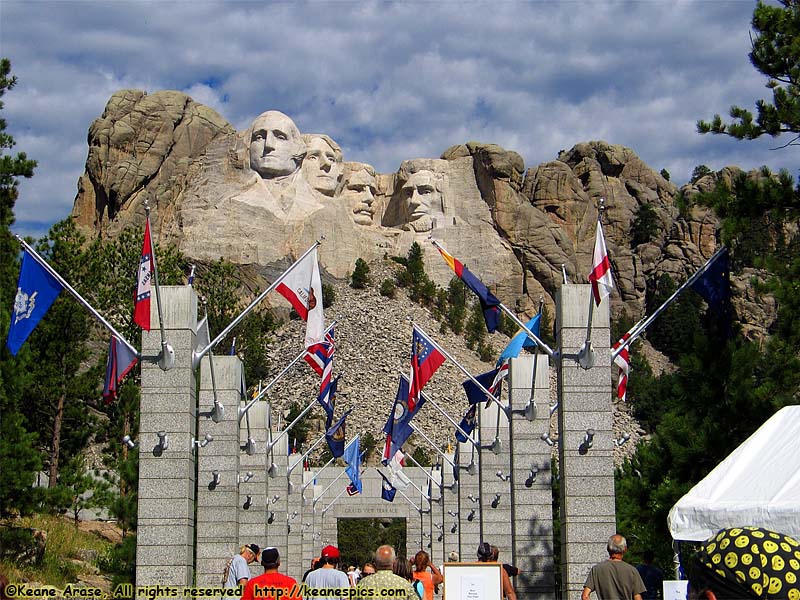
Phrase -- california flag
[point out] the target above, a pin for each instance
(301, 286)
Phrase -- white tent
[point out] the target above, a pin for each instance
(758, 484)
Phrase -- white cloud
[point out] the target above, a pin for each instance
(391, 81)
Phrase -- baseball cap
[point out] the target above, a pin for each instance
(270, 557)
(253, 548)
(330, 552)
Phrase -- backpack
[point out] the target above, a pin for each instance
(419, 588)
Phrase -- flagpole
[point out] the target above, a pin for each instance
(585, 354)
(427, 439)
(643, 325)
(81, 300)
(290, 425)
(449, 356)
(446, 415)
(305, 454)
(218, 412)
(166, 359)
(327, 464)
(286, 369)
(531, 400)
(548, 350)
(332, 502)
(428, 475)
(322, 493)
(253, 304)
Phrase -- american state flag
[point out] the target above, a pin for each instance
(425, 359)
(623, 362)
(601, 279)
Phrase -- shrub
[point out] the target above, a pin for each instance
(360, 277)
(388, 288)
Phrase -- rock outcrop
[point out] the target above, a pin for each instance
(519, 230)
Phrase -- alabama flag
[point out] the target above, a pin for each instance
(302, 287)
(600, 277)
(141, 310)
(623, 361)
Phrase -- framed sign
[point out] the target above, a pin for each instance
(473, 581)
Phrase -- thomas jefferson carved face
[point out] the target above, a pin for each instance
(322, 166)
(359, 192)
(422, 193)
(276, 147)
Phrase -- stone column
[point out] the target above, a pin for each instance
(218, 503)
(469, 532)
(165, 531)
(494, 507)
(292, 561)
(253, 519)
(586, 473)
(532, 507)
(450, 541)
(278, 494)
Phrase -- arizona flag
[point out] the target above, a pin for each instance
(600, 277)
(425, 359)
(623, 361)
(489, 302)
(303, 289)
(141, 311)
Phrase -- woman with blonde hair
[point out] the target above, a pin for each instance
(429, 579)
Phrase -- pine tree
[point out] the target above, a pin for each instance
(776, 54)
(18, 457)
(360, 277)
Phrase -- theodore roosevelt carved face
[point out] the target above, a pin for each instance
(276, 147)
(322, 166)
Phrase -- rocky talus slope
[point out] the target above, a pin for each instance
(373, 344)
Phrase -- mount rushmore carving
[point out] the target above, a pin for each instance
(260, 195)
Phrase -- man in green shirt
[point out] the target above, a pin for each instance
(614, 579)
(384, 579)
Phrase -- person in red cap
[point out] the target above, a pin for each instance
(271, 585)
(328, 576)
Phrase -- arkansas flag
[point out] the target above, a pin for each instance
(141, 311)
(425, 359)
(600, 277)
(303, 289)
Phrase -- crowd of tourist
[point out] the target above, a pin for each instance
(418, 579)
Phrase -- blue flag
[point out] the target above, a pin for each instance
(714, 286)
(398, 426)
(388, 491)
(327, 398)
(352, 456)
(468, 423)
(335, 436)
(474, 393)
(521, 340)
(36, 291)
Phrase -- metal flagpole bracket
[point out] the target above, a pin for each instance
(586, 356)
(166, 358)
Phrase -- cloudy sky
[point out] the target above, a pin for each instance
(390, 80)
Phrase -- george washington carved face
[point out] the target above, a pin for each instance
(276, 147)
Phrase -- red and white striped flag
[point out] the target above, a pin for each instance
(600, 277)
(623, 361)
(141, 310)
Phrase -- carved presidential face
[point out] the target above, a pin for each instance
(322, 166)
(276, 147)
(423, 200)
(359, 193)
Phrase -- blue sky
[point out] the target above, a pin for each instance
(390, 80)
